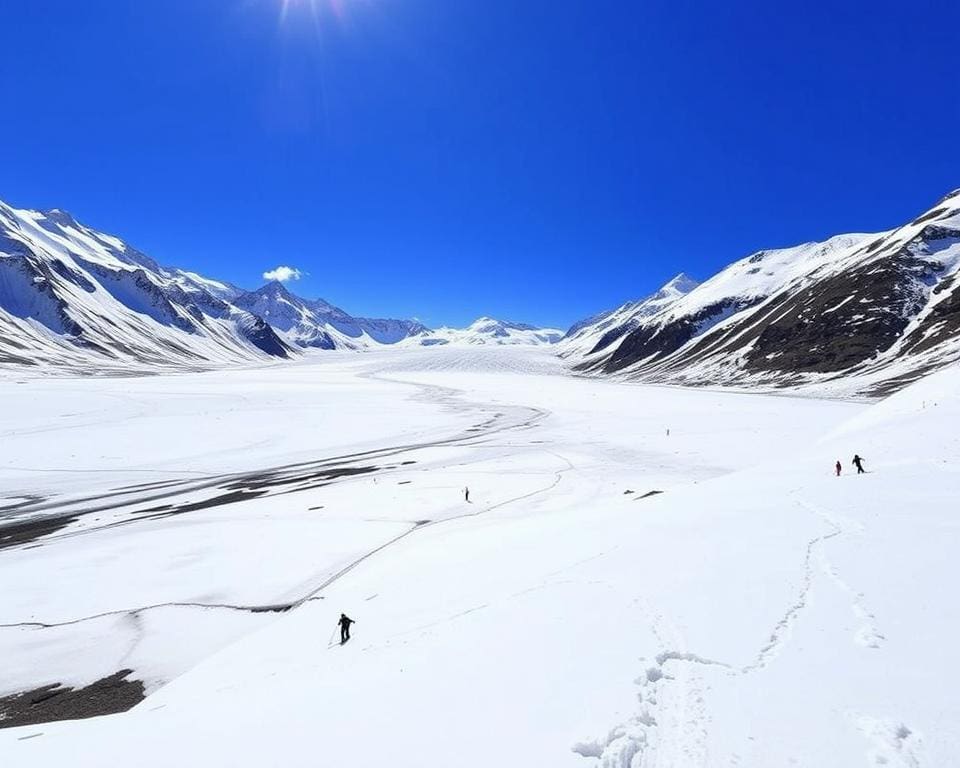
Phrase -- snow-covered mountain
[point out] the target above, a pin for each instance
(319, 324)
(486, 330)
(857, 312)
(877, 311)
(596, 334)
(73, 297)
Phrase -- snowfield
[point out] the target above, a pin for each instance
(644, 576)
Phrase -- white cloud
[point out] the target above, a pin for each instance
(283, 274)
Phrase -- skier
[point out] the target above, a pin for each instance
(466, 495)
(345, 628)
(839, 467)
(858, 463)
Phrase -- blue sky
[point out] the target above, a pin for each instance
(443, 159)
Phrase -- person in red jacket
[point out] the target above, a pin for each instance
(839, 468)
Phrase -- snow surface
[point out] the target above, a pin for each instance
(757, 612)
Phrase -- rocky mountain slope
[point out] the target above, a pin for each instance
(864, 313)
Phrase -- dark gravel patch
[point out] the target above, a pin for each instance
(53, 702)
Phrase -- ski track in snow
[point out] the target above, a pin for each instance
(669, 727)
(780, 634)
(892, 743)
(869, 634)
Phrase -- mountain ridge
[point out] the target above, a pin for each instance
(487, 330)
(880, 309)
(75, 298)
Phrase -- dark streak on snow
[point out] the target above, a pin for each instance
(25, 501)
(25, 531)
(648, 494)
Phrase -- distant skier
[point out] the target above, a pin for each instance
(345, 628)
(858, 463)
(839, 468)
(466, 495)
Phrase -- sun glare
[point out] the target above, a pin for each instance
(316, 7)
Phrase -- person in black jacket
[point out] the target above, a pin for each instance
(345, 628)
(858, 463)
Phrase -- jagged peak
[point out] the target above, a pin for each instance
(275, 288)
(60, 216)
(681, 283)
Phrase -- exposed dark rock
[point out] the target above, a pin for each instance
(107, 696)
(654, 341)
(259, 333)
(614, 334)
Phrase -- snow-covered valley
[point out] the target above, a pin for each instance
(855, 315)
(644, 576)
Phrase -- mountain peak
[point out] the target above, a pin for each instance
(488, 330)
(60, 216)
(275, 289)
(486, 323)
(681, 283)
